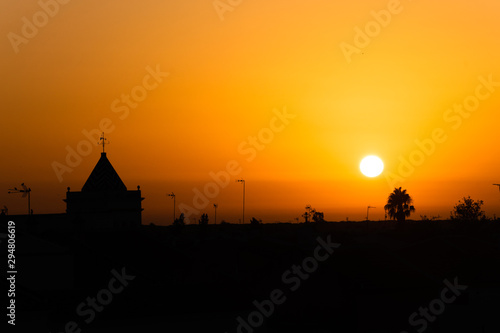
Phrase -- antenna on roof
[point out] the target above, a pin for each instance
(103, 141)
(26, 192)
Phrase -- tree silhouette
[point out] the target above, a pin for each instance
(427, 218)
(468, 210)
(180, 221)
(311, 213)
(318, 217)
(399, 205)
(203, 221)
(178, 224)
(308, 214)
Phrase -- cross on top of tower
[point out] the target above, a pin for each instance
(103, 141)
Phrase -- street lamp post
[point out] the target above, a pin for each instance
(243, 181)
(368, 210)
(25, 191)
(173, 197)
(215, 218)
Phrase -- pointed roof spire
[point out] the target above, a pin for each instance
(103, 177)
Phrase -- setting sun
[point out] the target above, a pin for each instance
(371, 166)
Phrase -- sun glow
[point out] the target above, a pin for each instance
(371, 166)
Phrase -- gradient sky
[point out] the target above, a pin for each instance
(225, 79)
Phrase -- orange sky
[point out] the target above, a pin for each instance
(225, 78)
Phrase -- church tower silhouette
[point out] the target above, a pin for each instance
(104, 201)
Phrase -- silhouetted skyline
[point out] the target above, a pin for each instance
(250, 166)
(180, 90)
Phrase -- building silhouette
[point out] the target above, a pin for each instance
(104, 201)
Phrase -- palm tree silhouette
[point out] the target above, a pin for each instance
(399, 205)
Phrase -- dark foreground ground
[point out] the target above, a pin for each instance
(437, 276)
